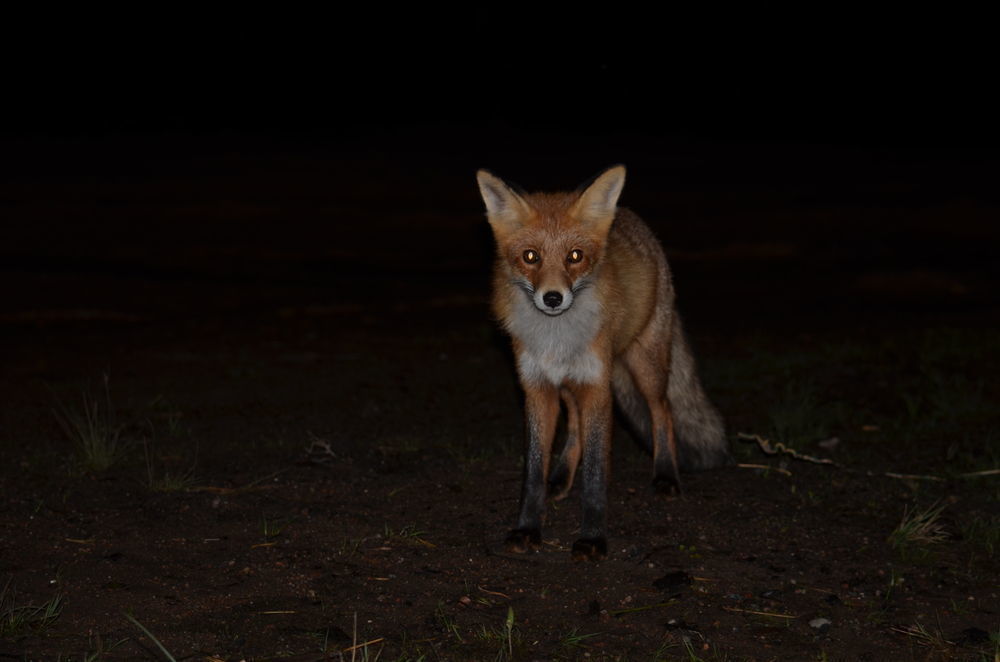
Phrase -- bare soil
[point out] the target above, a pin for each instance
(322, 426)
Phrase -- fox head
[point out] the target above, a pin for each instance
(549, 244)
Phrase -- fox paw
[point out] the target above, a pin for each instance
(590, 549)
(669, 485)
(523, 540)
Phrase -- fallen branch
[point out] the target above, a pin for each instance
(770, 448)
(779, 448)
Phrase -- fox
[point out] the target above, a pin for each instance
(584, 291)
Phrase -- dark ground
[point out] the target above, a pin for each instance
(321, 426)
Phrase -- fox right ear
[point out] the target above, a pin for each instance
(599, 200)
(505, 209)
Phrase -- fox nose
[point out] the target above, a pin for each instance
(552, 299)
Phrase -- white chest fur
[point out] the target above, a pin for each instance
(557, 349)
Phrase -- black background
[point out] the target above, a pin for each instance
(833, 107)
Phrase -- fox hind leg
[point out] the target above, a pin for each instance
(649, 374)
(666, 466)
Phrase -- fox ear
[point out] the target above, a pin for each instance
(599, 200)
(505, 209)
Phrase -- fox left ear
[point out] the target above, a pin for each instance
(598, 203)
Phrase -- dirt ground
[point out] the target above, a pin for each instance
(320, 429)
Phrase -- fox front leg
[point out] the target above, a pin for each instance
(541, 413)
(594, 404)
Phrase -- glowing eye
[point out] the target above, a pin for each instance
(574, 256)
(531, 256)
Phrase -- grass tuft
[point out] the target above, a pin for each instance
(920, 527)
(165, 480)
(20, 619)
(506, 634)
(152, 638)
(93, 429)
(575, 640)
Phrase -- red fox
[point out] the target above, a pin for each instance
(583, 288)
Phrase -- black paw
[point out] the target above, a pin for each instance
(590, 549)
(523, 540)
(669, 485)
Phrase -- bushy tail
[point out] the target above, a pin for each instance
(701, 436)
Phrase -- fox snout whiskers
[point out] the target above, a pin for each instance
(549, 301)
(556, 302)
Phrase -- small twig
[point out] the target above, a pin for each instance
(779, 448)
(399, 489)
(252, 485)
(759, 613)
(488, 592)
(631, 610)
(319, 451)
(987, 472)
(362, 645)
(891, 474)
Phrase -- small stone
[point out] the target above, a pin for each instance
(821, 624)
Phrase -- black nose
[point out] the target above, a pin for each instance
(552, 299)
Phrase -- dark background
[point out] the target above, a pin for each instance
(817, 149)
(261, 227)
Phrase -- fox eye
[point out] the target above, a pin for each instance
(531, 256)
(574, 256)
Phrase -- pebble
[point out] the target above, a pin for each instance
(821, 624)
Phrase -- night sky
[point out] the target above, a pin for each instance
(798, 105)
(837, 73)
